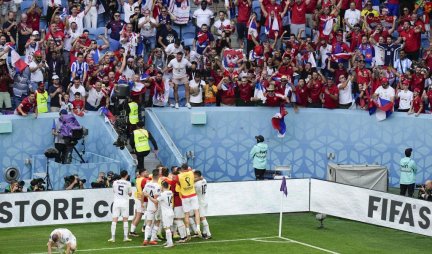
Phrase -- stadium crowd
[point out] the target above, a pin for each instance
(308, 53)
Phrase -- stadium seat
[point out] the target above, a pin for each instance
(100, 30)
(177, 29)
(188, 41)
(92, 33)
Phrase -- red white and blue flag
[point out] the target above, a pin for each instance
(16, 60)
(259, 92)
(382, 108)
(253, 28)
(339, 56)
(232, 57)
(278, 121)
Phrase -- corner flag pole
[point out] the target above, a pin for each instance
(284, 191)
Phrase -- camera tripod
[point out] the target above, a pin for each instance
(47, 178)
(71, 148)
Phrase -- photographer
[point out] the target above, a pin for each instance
(36, 185)
(15, 187)
(425, 192)
(73, 182)
(101, 181)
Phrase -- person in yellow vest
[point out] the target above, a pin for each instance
(139, 141)
(41, 98)
(132, 110)
(186, 188)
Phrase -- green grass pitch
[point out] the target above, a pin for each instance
(236, 234)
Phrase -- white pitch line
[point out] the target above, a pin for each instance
(309, 245)
(190, 243)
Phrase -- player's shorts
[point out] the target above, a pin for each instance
(158, 214)
(150, 214)
(178, 212)
(119, 211)
(190, 204)
(203, 210)
(73, 243)
(180, 81)
(167, 220)
(138, 207)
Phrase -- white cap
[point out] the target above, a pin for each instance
(55, 77)
(35, 33)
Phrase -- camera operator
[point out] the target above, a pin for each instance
(425, 192)
(101, 181)
(36, 185)
(59, 142)
(15, 187)
(139, 141)
(73, 182)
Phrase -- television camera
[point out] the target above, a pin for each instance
(72, 132)
(122, 93)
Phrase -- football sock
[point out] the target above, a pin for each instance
(187, 231)
(192, 224)
(169, 236)
(113, 229)
(125, 229)
(206, 228)
(153, 233)
(147, 232)
(181, 228)
(133, 227)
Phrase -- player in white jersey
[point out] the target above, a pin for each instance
(61, 238)
(151, 189)
(122, 189)
(165, 202)
(201, 190)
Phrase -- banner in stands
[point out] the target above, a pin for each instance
(94, 205)
(378, 208)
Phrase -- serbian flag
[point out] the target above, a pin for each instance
(272, 25)
(232, 56)
(278, 121)
(109, 117)
(259, 92)
(339, 56)
(16, 61)
(328, 25)
(382, 108)
(253, 28)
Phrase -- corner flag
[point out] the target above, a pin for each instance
(283, 187)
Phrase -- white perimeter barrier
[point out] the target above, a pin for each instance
(231, 198)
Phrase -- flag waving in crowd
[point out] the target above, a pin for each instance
(278, 121)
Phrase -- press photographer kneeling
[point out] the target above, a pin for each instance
(73, 182)
(425, 192)
(101, 182)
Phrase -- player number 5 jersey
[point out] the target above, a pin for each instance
(121, 189)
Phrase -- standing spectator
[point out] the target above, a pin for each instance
(27, 106)
(405, 97)
(41, 96)
(258, 155)
(178, 67)
(38, 68)
(75, 87)
(10, 25)
(6, 7)
(55, 91)
(244, 12)
(115, 25)
(330, 94)
(128, 8)
(385, 91)
(210, 92)
(95, 96)
(90, 18)
(21, 86)
(78, 104)
(203, 40)
(129, 39)
(196, 86)
(55, 63)
(245, 92)
(412, 40)
(345, 92)
(148, 27)
(53, 5)
(226, 89)
(298, 16)
(408, 170)
(79, 68)
(70, 36)
(417, 104)
(34, 15)
(167, 35)
(223, 25)
(403, 64)
(203, 16)
(77, 17)
(352, 17)
(135, 18)
(6, 82)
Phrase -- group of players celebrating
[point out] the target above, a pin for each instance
(170, 201)
(173, 201)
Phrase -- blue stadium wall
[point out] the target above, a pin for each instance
(30, 137)
(221, 146)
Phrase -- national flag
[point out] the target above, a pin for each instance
(109, 117)
(339, 56)
(253, 28)
(382, 107)
(328, 26)
(278, 121)
(64, 13)
(259, 92)
(16, 61)
(308, 57)
(271, 24)
(232, 56)
(283, 187)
